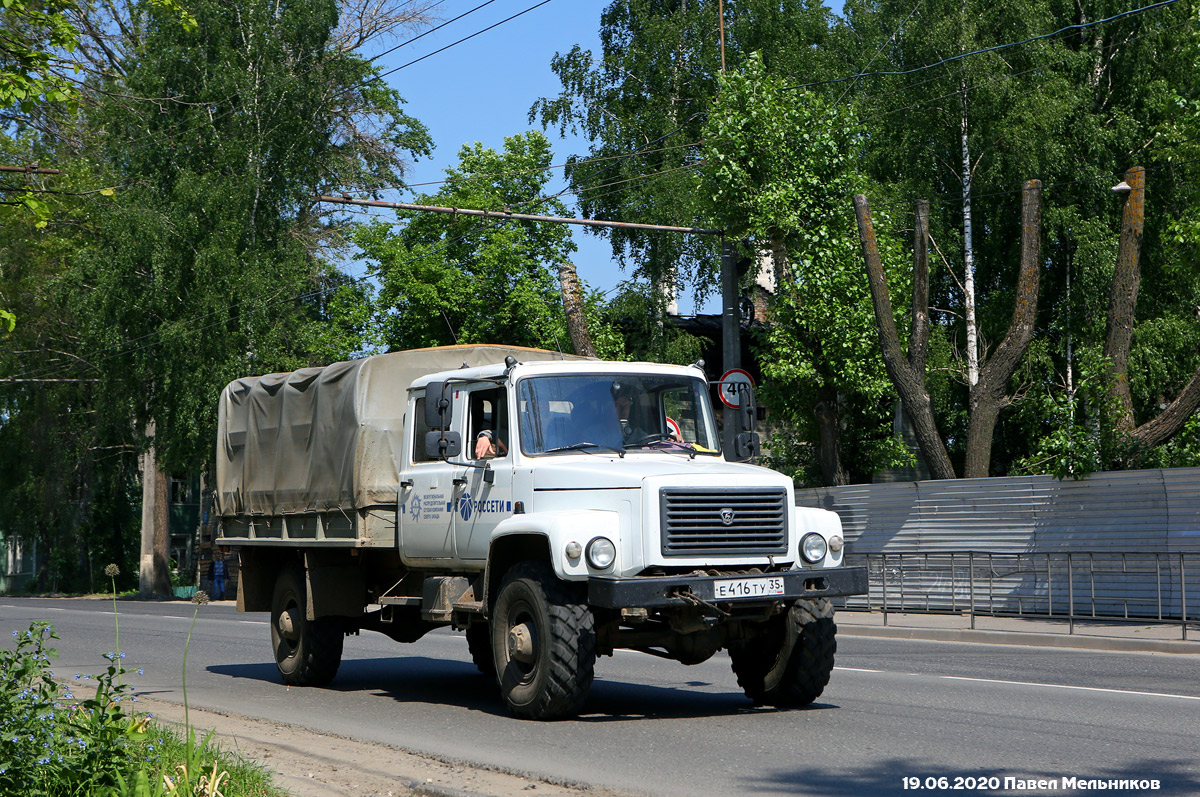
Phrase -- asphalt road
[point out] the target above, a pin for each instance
(893, 709)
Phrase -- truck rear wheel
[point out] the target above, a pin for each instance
(544, 641)
(307, 652)
(789, 663)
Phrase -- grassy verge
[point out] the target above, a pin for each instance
(53, 743)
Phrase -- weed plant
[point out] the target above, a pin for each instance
(53, 744)
(50, 742)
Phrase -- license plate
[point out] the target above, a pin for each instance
(747, 587)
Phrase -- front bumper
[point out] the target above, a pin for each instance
(664, 591)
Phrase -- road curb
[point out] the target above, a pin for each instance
(1022, 638)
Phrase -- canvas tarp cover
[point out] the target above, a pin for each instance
(328, 438)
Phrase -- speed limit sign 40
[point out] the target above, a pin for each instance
(729, 386)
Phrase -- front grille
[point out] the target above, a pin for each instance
(692, 521)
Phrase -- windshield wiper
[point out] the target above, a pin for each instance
(585, 445)
(661, 442)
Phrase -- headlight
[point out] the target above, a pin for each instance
(836, 544)
(601, 552)
(574, 550)
(813, 548)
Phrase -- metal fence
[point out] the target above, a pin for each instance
(1074, 585)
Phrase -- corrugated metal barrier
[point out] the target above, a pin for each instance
(1113, 545)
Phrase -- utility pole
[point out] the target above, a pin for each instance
(731, 329)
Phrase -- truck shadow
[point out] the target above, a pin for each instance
(436, 681)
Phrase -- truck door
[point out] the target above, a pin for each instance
(425, 514)
(487, 440)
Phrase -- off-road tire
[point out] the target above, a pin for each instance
(310, 654)
(789, 662)
(479, 642)
(555, 683)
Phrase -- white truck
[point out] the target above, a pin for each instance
(553, 508)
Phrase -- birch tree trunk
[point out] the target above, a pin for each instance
(968, 245)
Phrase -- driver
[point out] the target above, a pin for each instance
(623, 393)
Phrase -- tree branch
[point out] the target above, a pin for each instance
(909, 382)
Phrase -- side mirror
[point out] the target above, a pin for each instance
(745, 446)
(746, 410)
(439, 405)
(443, 445)
(743, 419)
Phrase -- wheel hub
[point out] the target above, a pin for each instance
(520, 644)
(287, 624)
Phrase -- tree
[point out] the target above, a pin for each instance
(642, 103)
(205, 261)
(778, 166)
(988, 392)
(32, 32)
(1070, 110)
(450, 279)
(1120, 322)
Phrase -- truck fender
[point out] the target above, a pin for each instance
(545, 537)
(824, 522)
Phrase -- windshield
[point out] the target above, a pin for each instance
(616, 412)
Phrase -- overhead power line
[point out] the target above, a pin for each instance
(506, 215)
(209, 320)
(28, 170)
(472, 36)
(434, 29)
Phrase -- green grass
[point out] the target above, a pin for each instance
(192, 765)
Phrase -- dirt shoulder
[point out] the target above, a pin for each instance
(310, 764)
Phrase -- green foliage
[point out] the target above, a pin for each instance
(779, 166)
(205, 262)
(647, 92)
(32, 32)
(1072, 111)
(208, 256)
(635, 316)
(461, 279)
(607, 334)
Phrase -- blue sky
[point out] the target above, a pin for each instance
(482, 89)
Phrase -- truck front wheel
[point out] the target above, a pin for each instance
(307, 652)
(788, 663)
(544, 643)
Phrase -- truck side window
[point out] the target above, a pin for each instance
(418, 436)
(487, 411)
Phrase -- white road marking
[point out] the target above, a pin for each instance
(1065, 686)
(252, 622)
(854, 669)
